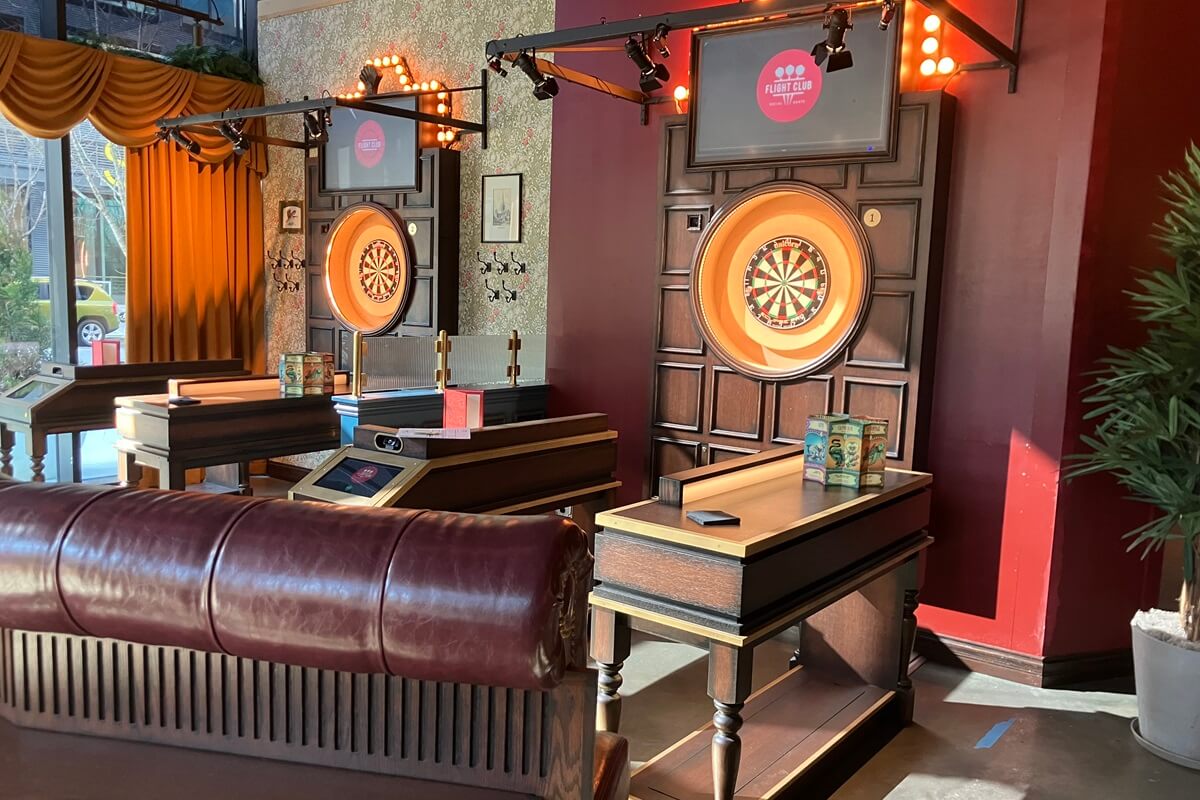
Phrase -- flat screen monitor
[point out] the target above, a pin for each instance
(32, 390)
(357, 477)
(369, 152)
(759, 95)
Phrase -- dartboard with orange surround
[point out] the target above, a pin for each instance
(781, 281)
(368, 268)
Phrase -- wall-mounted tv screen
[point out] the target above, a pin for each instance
(369, 152)
(759, 94)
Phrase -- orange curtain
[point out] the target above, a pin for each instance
(195, 233)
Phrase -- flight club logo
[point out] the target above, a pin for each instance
(369, 144)
(789, 86)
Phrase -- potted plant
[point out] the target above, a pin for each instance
(1147, 404)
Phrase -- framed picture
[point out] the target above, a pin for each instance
(501, 217)
(291, 216)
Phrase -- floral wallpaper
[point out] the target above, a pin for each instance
(320, 50)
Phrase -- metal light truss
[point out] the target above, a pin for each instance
(368, 103)
(589, 38)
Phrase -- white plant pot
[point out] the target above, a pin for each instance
(1168, 722)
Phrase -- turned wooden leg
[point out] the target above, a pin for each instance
(726, 749)
(610, 647)
(38, 465)
(129, 472)
(729, 673)
(7, 441)
(908, 638)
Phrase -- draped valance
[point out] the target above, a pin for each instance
(47, 87)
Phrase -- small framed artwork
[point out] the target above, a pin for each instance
(291, 216)
(501, 217)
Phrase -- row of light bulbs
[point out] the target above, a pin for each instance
(931, 46)
(445, 135)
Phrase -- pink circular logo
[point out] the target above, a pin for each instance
(369, 144)
(789, 86)
(365, 474)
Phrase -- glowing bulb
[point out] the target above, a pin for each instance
(449, 135)
(946, 65)
(362, 87)
(929, 46)
(441, 136)
(405, 88)
(404, 79)
(441, 95)
(434, 85)
(933, 22)
(400, 69)
(681, 92)
(424, 86)
(928, 67)
(378, 62)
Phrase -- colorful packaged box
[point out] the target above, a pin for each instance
(875, 446)
(816, 448)
(845, 456)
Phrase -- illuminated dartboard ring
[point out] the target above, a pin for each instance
(781, 281)
(368, 268)
(786, 282)
(379, 271)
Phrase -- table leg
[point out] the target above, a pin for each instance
(610, 647)
(36, 446)
(729, 673)
(7, 441)
(129, 472)
(243, 477)
(908, 638)
(172, 475)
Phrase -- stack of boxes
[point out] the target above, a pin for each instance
(841, 450)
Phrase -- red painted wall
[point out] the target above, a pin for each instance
(1052, 200)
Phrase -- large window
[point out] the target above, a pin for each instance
(156, 30)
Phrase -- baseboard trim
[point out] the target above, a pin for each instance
(1048, 672)
(286, 472)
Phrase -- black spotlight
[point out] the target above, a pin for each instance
(180, 138)
(833, 47)
(543, 87)
(496, 65)
(660, 39)
(235, 136)
(886, 14)
(315, 124)
(652, 75)
(369, 77)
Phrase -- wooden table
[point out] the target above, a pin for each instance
(238, 420)
(67, 398)
(840, 563)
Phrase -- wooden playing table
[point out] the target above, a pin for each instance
(840, 563)
(238, 420)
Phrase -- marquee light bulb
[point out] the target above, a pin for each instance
(946, 65)
(362, 87)
(929, 46)
(449, 135)
(933, 22)
(441, 136)
(928, 67)
(404, 80)
(441, 108)
(434, 85)
(441, 95)
(681, 93)
(378, 62)
(424, 86)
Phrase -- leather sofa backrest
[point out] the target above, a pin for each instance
(488, 600)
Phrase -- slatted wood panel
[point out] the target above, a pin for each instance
(431, 222)
(703, 411)
(513, 739)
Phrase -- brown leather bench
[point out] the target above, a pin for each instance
(429, 646)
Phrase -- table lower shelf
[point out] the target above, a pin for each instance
(794, 728)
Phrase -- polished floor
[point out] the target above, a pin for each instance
(974, 737)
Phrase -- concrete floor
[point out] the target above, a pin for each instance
(1061, 745)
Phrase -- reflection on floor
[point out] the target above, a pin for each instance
(1044, 744)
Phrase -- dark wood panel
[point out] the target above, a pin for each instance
(869, 397)
(737, 180)
(827, 176)
(794, 402)
(672, 455)
(737, 405)
(892, 228)
(681, 230)
(678, 396)
(908, 168)
(883, 342)
(676, 180)
(677, 331)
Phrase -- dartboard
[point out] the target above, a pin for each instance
(379, 271)
(786, 281)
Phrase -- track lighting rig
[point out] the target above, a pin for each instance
(316, 118)
(640, 36)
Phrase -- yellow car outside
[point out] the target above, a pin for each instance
(95, 310)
